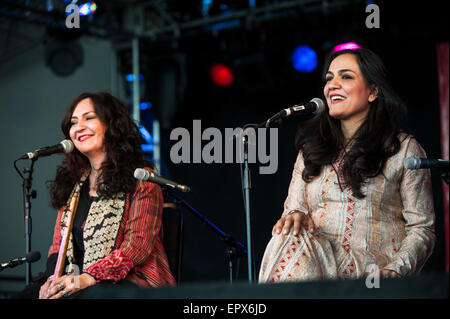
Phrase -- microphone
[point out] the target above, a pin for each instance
(315, 106)
(65, 146)
(144, 175)
(30, 257)
(418, 163)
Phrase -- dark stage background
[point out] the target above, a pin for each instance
(177, 82)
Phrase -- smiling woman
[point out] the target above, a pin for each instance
(116, 229)
(86, 126)
(88, 133)
(351, 206)
(348, 96)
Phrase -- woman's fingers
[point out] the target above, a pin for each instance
(287, 224)
(46, 290)
(297, 223)
(43, 291)
(310, 224)
(59, 294)
(296, 220)
(58, 287)
(53, 289)
(278, 226)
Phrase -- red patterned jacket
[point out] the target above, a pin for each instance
(138, 255)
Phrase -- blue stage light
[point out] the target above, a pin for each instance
(304, 59)
(145, 134)
(147, 147)
(49, 5)
(145, 106)
(130, 77)
(206, 4)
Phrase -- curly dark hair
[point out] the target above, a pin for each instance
(122, 146)
(321, 140)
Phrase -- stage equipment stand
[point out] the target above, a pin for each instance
(235, 249)
(246, 186)
(243, 141)
(27, 194)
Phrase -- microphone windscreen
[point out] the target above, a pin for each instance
(33, 256)
(140, 173)
(412, 163)
(320, 105)
(67, 146)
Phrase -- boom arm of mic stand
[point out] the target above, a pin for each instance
(235, 249)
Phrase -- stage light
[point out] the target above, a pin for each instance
(146, 134)
(304, 59)
(130, 77)
(147, 147)
(49, 5)
(221, 75)
(206, 5)
(87, 8)
(346, 46)
(145, 106)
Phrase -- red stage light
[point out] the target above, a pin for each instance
(221, 75)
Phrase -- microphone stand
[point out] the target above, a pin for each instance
(27, 194)
(246, 179)
(246, 186)
(234, 248)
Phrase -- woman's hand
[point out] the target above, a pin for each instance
(297, 220)
(65, 286)
(44, 291)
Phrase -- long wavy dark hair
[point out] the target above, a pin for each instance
(122, 143)
(321, 140)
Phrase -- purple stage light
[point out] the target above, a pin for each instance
(346, 46)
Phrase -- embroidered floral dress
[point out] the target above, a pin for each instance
(392, 227)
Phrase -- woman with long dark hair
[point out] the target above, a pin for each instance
(351, 204)
(116, 232)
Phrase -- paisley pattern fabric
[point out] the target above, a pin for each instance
(392, 227)
(101, 228)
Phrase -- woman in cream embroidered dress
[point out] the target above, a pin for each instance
(350, 202)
